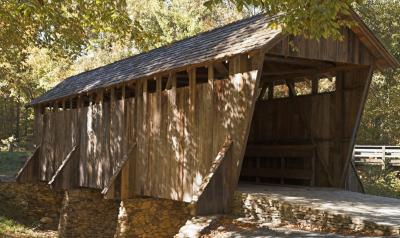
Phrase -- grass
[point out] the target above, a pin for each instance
(11, 229)
(11, 162)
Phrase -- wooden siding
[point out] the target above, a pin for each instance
(349, 50)
(177, 133)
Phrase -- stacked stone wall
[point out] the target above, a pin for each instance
(85, 213)
(264, 208)
(149, 217)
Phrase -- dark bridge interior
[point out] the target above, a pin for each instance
(282, 143)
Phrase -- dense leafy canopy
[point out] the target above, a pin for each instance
(45, 41)
(381, 119)
(310, 18)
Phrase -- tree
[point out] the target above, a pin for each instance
(60, 43)
(309, 18)
(157, 23)
(381, 120)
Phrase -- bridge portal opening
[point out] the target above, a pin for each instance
(288, 123)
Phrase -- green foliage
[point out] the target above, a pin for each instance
(11, 162)
(380, 181)
(43, 42)
(11, 228)
(314, 19)
(157, 23)
(65, 26)
(380, 123)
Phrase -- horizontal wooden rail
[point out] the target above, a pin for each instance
(118, 170)
(58, 181)
(306, 151)
(30, 170)
(278, 173)
(212, 195)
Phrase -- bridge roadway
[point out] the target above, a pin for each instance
(369, 214)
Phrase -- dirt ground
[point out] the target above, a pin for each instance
(237, 228)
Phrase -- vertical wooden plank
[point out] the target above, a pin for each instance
(206, 122)
(142, 130)
(164, 154)
(366, 75)
(125, 137)
(99, 158)
(195, 156)
(82, 121)
(188, 145)
(131, 110)
(157, 170)
(151, 140)
(38, 124)
(90, 150)
(339, 128)
(113, 137)
(174, 141)
(181, 96)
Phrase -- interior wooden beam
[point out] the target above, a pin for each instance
(221, 68)
(305, 150)
(312, 72)
(297, 61)
(305, 174)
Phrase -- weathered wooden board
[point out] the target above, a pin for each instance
(349, 50)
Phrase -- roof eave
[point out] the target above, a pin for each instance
(384, 58)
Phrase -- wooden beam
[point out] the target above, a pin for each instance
(221, 68)
(297, 61)
(206, 200)
(169, 82)
(117, 171)
(356, 126)
(306, 150)
(303, 119)
(277, 173)
(30, 170)
(315, 71)
(55, 180)
(314, 85)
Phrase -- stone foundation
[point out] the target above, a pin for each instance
(85, 213)
(30, 204)
(149, 217)
(263, 208)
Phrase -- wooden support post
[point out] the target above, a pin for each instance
(168, 86)
(271, 91)
(357, 125)
(314, 85)
(304, 120)
(126, 169)
(292, 90)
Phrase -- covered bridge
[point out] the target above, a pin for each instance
(189, 120)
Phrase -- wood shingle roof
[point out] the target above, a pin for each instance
(238, 37)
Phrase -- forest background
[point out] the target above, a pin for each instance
(43, 42)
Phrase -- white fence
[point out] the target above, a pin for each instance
(376, 154)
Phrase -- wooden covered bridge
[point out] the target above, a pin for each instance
(187, 121)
